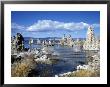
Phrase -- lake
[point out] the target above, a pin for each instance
(67, 61)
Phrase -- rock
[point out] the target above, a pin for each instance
(44, 57)
(82, 67)
(55, 53)
(22, 54)
(47, 50)
(91, 42)
(56, 75)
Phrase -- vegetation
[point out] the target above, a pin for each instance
(84, 73)
(23, 67)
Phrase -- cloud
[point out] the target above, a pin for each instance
(17, 26)
(49, 25)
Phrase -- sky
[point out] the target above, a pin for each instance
(41, 24)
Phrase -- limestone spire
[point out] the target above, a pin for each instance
(90, 43)
(90, 35)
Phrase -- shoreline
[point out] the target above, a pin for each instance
(42, 58)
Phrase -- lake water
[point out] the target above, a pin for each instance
(67, 61)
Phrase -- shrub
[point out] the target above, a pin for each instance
(84, 73)
(22, 68)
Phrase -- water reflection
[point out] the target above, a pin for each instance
(67, 60)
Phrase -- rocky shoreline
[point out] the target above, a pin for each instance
(92, 69)
(24, 63)
(29, 59)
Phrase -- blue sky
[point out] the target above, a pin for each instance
(40, 24)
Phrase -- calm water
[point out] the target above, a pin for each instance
(67, 61)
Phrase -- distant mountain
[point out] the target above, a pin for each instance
(27, 38)
(52, 38)
(79, 38)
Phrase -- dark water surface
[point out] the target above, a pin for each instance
(67, 61)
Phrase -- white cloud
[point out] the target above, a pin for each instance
(17, 26)
(45, 25)
(49, 25)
